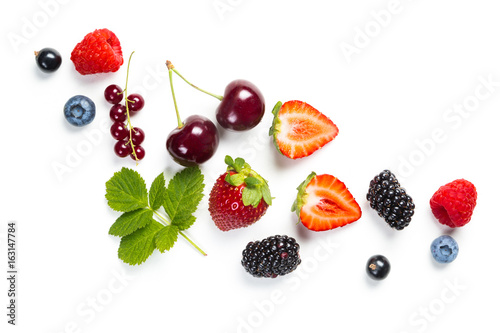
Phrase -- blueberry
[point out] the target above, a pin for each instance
(444, 249)
(79, 110)
(378, 267)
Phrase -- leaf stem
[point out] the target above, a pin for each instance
(166, 222)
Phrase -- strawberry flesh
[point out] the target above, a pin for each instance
(299, 129)
(325, 203)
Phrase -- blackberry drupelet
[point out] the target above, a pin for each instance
(271, 257)
(390, 200)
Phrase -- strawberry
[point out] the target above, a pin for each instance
(299, 130)
(453, 203)
(240, 196)
(324, 202)
(98, 52)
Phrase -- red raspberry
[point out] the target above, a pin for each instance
(453, 203)
(98, 52)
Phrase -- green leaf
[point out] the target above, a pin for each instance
(266, 194)
(157, 192)
(252, 181)
(129, 222)
(301, 194)
(138, 246)
(166, 238)
(184, 193)
(251, 196)
(276, 126)
(126, 191)
(236, 180)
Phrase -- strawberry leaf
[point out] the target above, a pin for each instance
(166, 238)
(251, 196)
(252, 181)
(129, 222)
(157, 192)
(126, 191)
(138, 246)
(301, 194)
(236, 179)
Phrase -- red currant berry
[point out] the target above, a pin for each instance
(113, 94)
(136, 102)
(118, 113)
(139, 152)
(122, 148)
(137, 136)
(119, 130)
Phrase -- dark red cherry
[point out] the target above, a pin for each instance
(195, 142)
(242, 106)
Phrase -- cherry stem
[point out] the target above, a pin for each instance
(129, 122)
(166, 222)
(192, 85)
(179, 121)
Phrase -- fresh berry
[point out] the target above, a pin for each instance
(98, 52)
(240, 196)
(118, 112)
(271, 257)
(299, 130)
(324, 202)
(113, 94)
(119, 130)
(48, 60)
(139, 153)
(453, 203)
(137, 135)
(122, 148)
(444, 249)
(390, 200)
(79, 110)
(135, 102)
(193, 141)
(378, 267)
(242, 106)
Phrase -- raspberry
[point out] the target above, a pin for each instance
(98, 52)
(453, 203)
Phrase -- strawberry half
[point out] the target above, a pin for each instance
(239, 197)
(299, 130)
(324, 202)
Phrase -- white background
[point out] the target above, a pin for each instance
(392, 100)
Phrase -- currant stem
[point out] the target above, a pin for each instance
(171, 67)
(129, 122)
(166, 222)
(179, 121)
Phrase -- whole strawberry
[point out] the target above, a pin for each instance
(240, 196)
(453, 203)
(99, 52)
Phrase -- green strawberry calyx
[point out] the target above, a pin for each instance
(256, 188)
(276, 126)
(302, 194)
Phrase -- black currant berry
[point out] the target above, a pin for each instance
(48, 60)
(378, 267)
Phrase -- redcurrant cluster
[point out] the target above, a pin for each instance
(129, 139)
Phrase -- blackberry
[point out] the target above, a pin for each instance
(390, 200)
(271, 257)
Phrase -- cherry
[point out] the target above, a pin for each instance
(135, 102)
(242, 106)
(119, 130)
(113, 94)
(122, 148)
(139, 153)
(118, 112)
(137, 135)
(195, 140)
